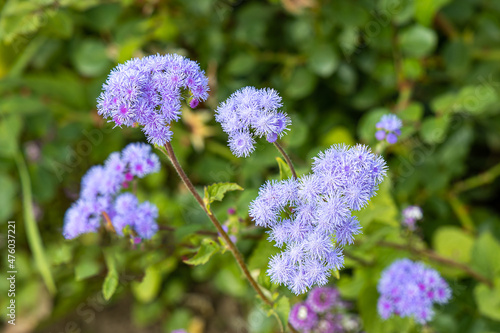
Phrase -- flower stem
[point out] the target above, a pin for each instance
(461, 211)
(234, 250)
(487, 177)
(287, 158)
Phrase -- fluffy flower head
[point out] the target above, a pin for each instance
(148, 91)
(101, 199)
(409, 289)
(311, 217)
(250, 113)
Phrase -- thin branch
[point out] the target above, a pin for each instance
(484, 178)
(446, 26)
(437, 258)
(199, 232)
(287, 159)
(461, 211)
(234, 250)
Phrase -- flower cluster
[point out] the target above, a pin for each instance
(389, 128)
(307, 214)
(322, 313)
(251, 112)
(410, 288)
(411, 215)
(100, 196)
(147, 91)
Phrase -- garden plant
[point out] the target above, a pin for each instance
(250, 166)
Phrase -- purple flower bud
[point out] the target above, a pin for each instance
(380, 135)
(271, 137)
(392, 138)
(193, 103)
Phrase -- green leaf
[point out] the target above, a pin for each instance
(21, 18)
(111, 281)
(217, 191)
(412, 68)
(241, 64)
(60, 253)
(323, 60)
(426, 9)
(10, 130)
(147, 290)
(104, 16)
(486, 255)
(413, 112)
(488, 299)
(301, 84)
(86, 268)
(418, 41)
(282, 309)
(90, 58)
(338, 134)
(17, 105)
(228, 280)
(476, 99)
(285, 171)
(433, 129)
(60, 25)
(207, 249)
(7, 196)
(452, 242)
(31, 227)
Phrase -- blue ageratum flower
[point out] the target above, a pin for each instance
(323, 299)
(148, 91)
(411, 215)
(101, 195)
(409, 289)
(311, 217)
(303, 317)
(250, 113)
(389, 128)
(321, 313)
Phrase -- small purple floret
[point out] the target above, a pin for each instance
(411, 215)
(389, 128)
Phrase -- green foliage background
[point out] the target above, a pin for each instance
(339, 66)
